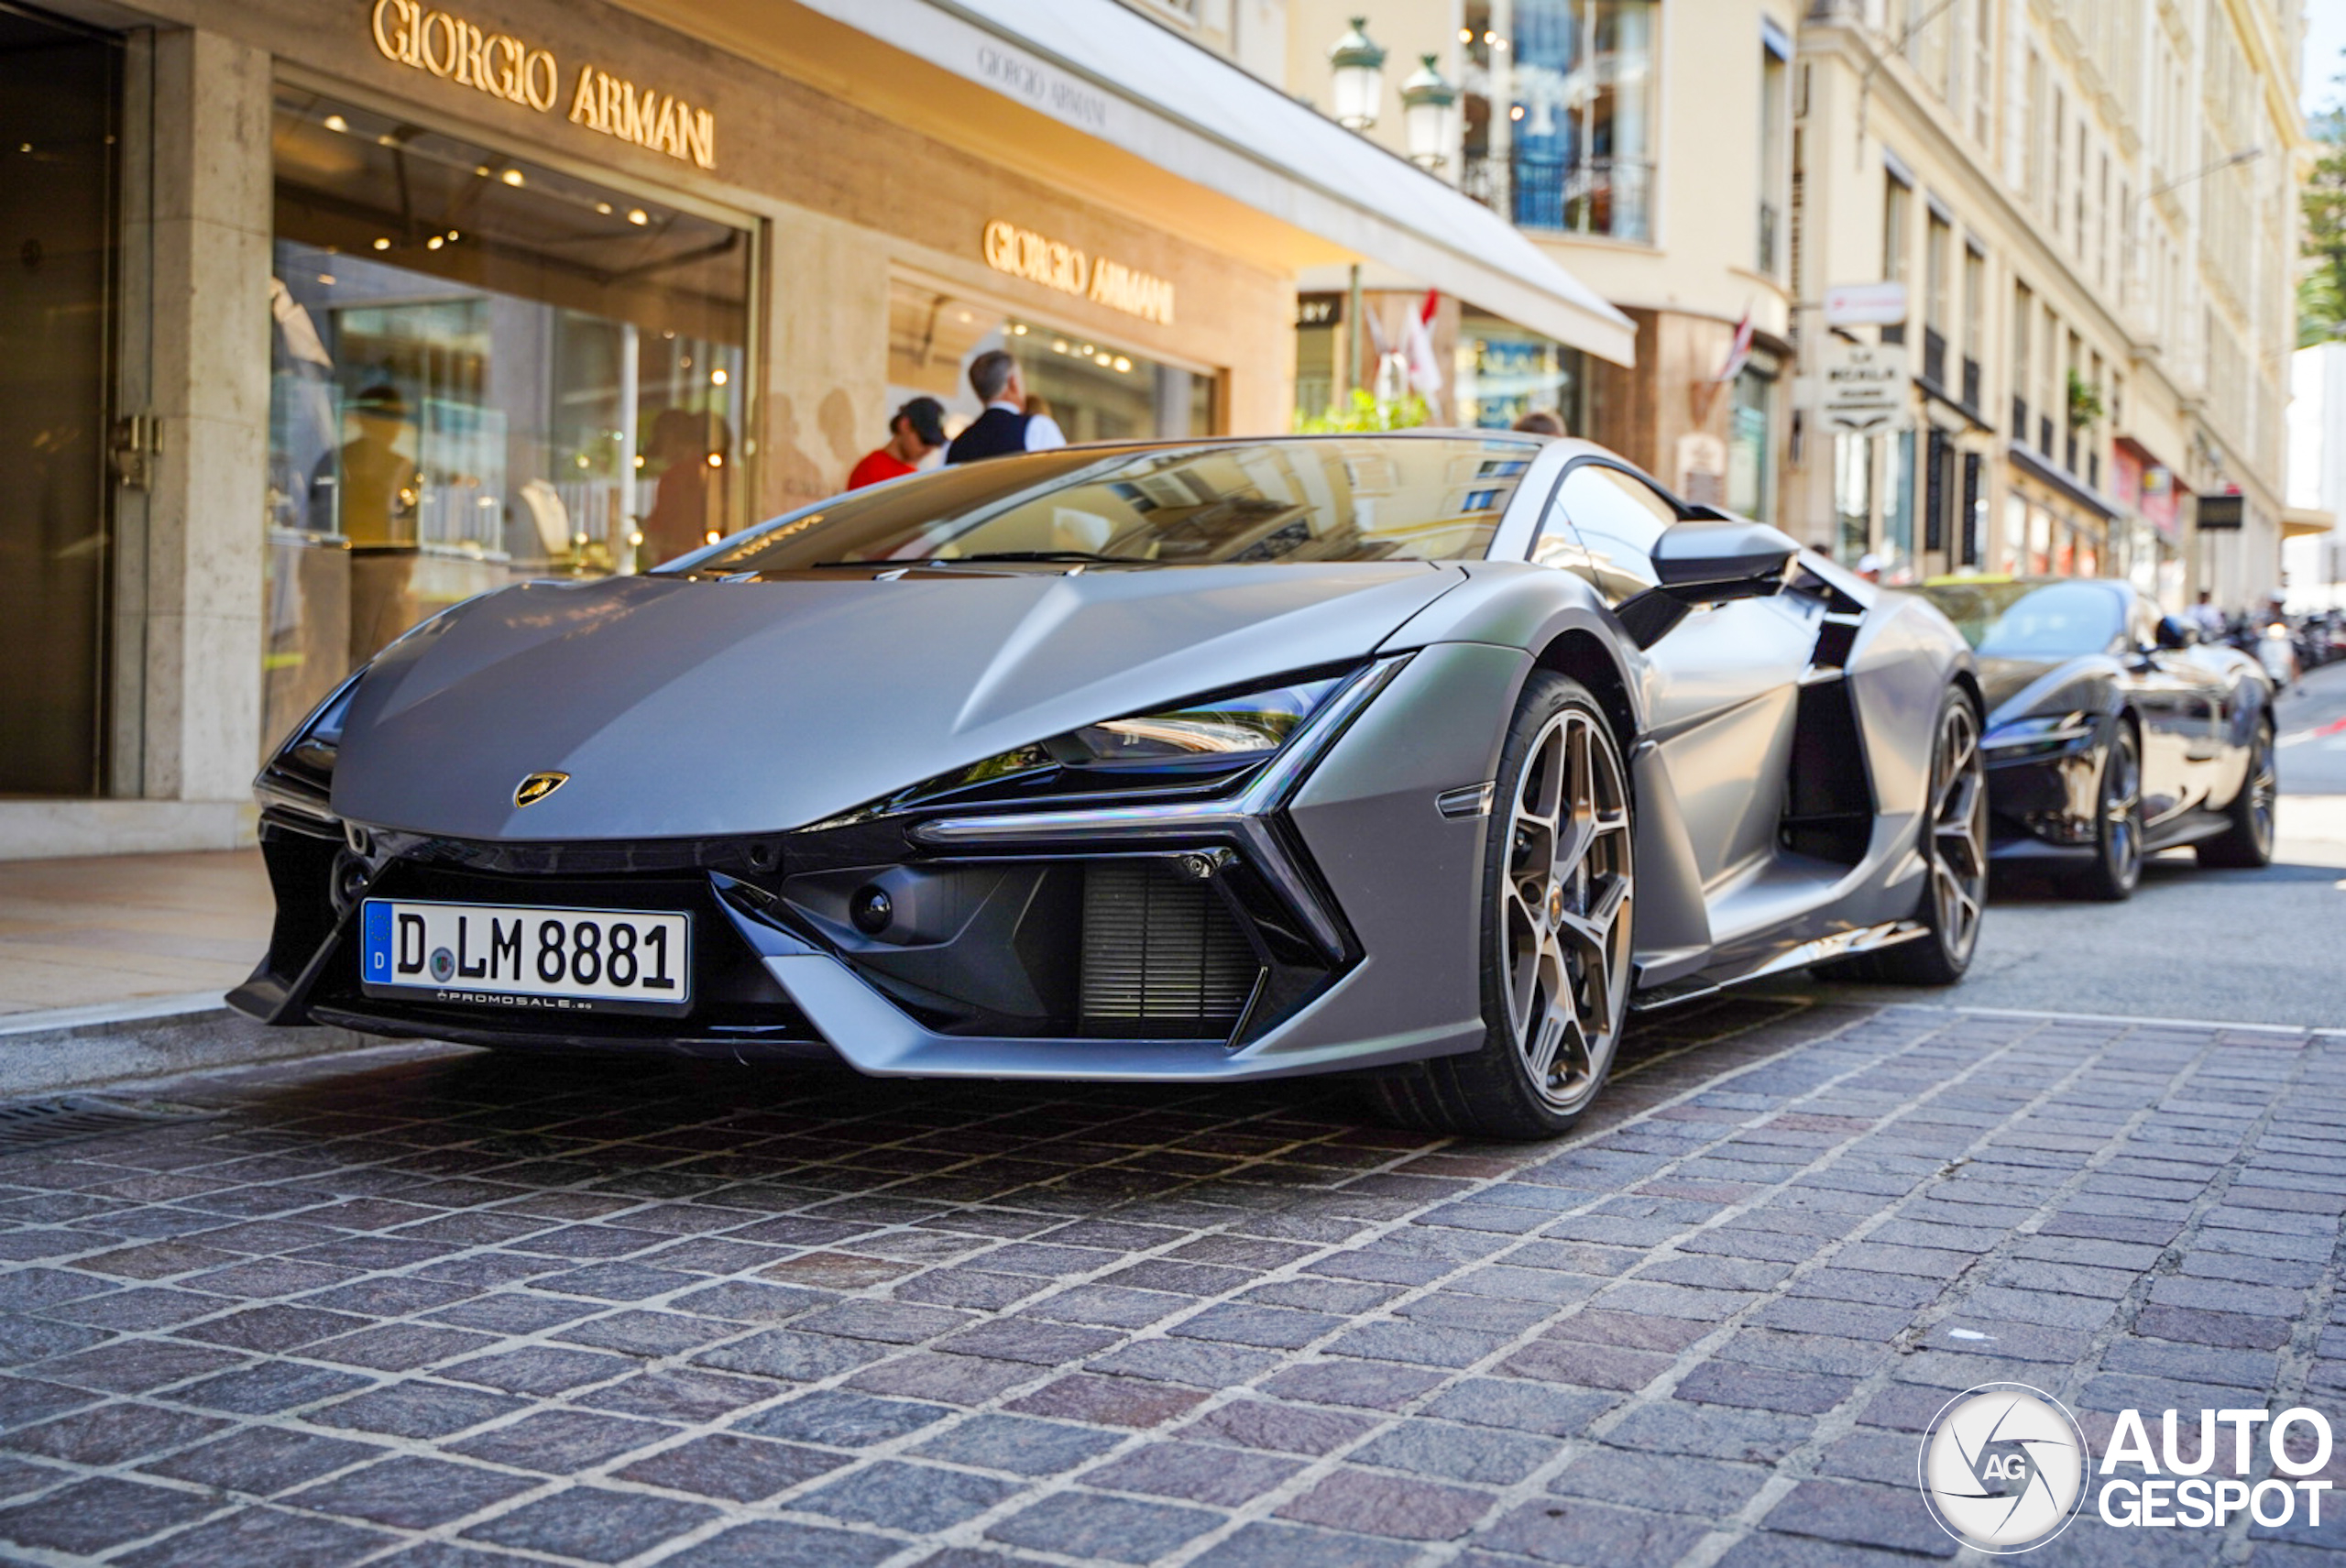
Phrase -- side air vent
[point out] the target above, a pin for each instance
(1829, 805)
(1161, 954)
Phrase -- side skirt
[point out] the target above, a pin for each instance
(1840, 945)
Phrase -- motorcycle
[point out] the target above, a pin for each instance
(2276, 650)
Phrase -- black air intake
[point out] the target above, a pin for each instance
(1160, 949)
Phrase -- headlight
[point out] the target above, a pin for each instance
(1185, 747)
(2041, 732)
(300, 775)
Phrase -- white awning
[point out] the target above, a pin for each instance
(1104, 71)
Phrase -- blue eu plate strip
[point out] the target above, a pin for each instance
(375, 939)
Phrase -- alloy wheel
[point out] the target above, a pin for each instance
(1958, 832)
(1564, 908)
(2263, 789)
(2122, 808)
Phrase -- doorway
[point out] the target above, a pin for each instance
(60, 108)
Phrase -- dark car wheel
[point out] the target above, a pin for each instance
(2247, 843)
(1558, 884)
(2116, 866)
(1955, 850)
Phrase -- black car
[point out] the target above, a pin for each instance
(2112, 731)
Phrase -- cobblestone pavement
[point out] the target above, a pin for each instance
(428, 1308)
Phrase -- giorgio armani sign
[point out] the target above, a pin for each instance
(443, 44)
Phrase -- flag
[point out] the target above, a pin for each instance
(1738, 351)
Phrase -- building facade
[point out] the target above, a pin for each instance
(2092, 207)
(2087, 208)
(328, 313)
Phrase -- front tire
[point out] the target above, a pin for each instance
(2117, 868)
(1955, 854)
(2247, 844)
(1558, 885)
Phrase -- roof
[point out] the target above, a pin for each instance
(1111, 73)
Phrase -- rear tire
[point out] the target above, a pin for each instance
(1558, 880)
(1954, 855)
(2247, 844)
(2117, 868)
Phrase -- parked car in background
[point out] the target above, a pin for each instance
(2113, 732)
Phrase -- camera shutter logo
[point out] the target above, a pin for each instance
(537, 786)
(2003, 1467)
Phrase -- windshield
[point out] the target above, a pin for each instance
(1395, 498)
(2033, 620)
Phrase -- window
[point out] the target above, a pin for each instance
(1582, 122)
(1095, 390)
(2031, 155)
(2022, 371)
(482, 371)
(1751, 438)
(1852, 498)
(1615, 519)
(1938, 237)
(1774, 178)
(1983, 73)
(2054, 147)
(1975, 306)
(1897, 204)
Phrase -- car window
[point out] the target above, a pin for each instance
(1615, 521)
(2024, 620)
(1206, 503)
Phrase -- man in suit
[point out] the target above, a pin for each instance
(1005, 426)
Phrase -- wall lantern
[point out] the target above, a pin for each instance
(1357, 66)
(1426, 101)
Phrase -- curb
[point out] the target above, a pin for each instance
(79, 1047)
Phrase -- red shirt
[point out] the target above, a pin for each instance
(876, 466)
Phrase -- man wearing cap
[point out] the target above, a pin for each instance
(916, 430)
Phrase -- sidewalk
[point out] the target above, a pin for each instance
(112, 967)
(83, 933)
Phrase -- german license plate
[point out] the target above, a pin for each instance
(559, 960)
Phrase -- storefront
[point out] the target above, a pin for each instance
(337, 311)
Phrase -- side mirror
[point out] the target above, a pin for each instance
(1702, 561)
(2174, 633)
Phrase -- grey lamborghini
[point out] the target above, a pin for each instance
(1428, 757)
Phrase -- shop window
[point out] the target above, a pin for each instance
(1750, 441)
(483, 370)
(1505, 372)
(1095, 389)
(1852, 498)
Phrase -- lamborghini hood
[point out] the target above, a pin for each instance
(687, 708)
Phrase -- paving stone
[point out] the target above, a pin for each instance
(1017, 1443)
(1193, 1472)
(724, 1464)
(1861, 1514)
(417, 1410)
(1118, 1529)
(95, 1515)
(111, 1434)
(677, 1393)
(264, 1461)
(1288, 1429)
(1699, 1488)
(1271, 1544)
(1481, 1454)
(411, 1492)
(1390, 1505)
(262, 1535)
(1109, 1401)
(1568, 1530)
(1364, 1384)
(558, 1443)
(921, 1499)
(843, 1419)
(593, 1523)
(776, 1543)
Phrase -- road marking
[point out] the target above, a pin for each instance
(2320, 732)
(2095, 1017)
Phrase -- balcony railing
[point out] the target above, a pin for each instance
(2020, 420)
(1972, 383)
(2045, 436)
(1594, 195)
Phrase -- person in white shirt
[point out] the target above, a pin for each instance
(1005, 426)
